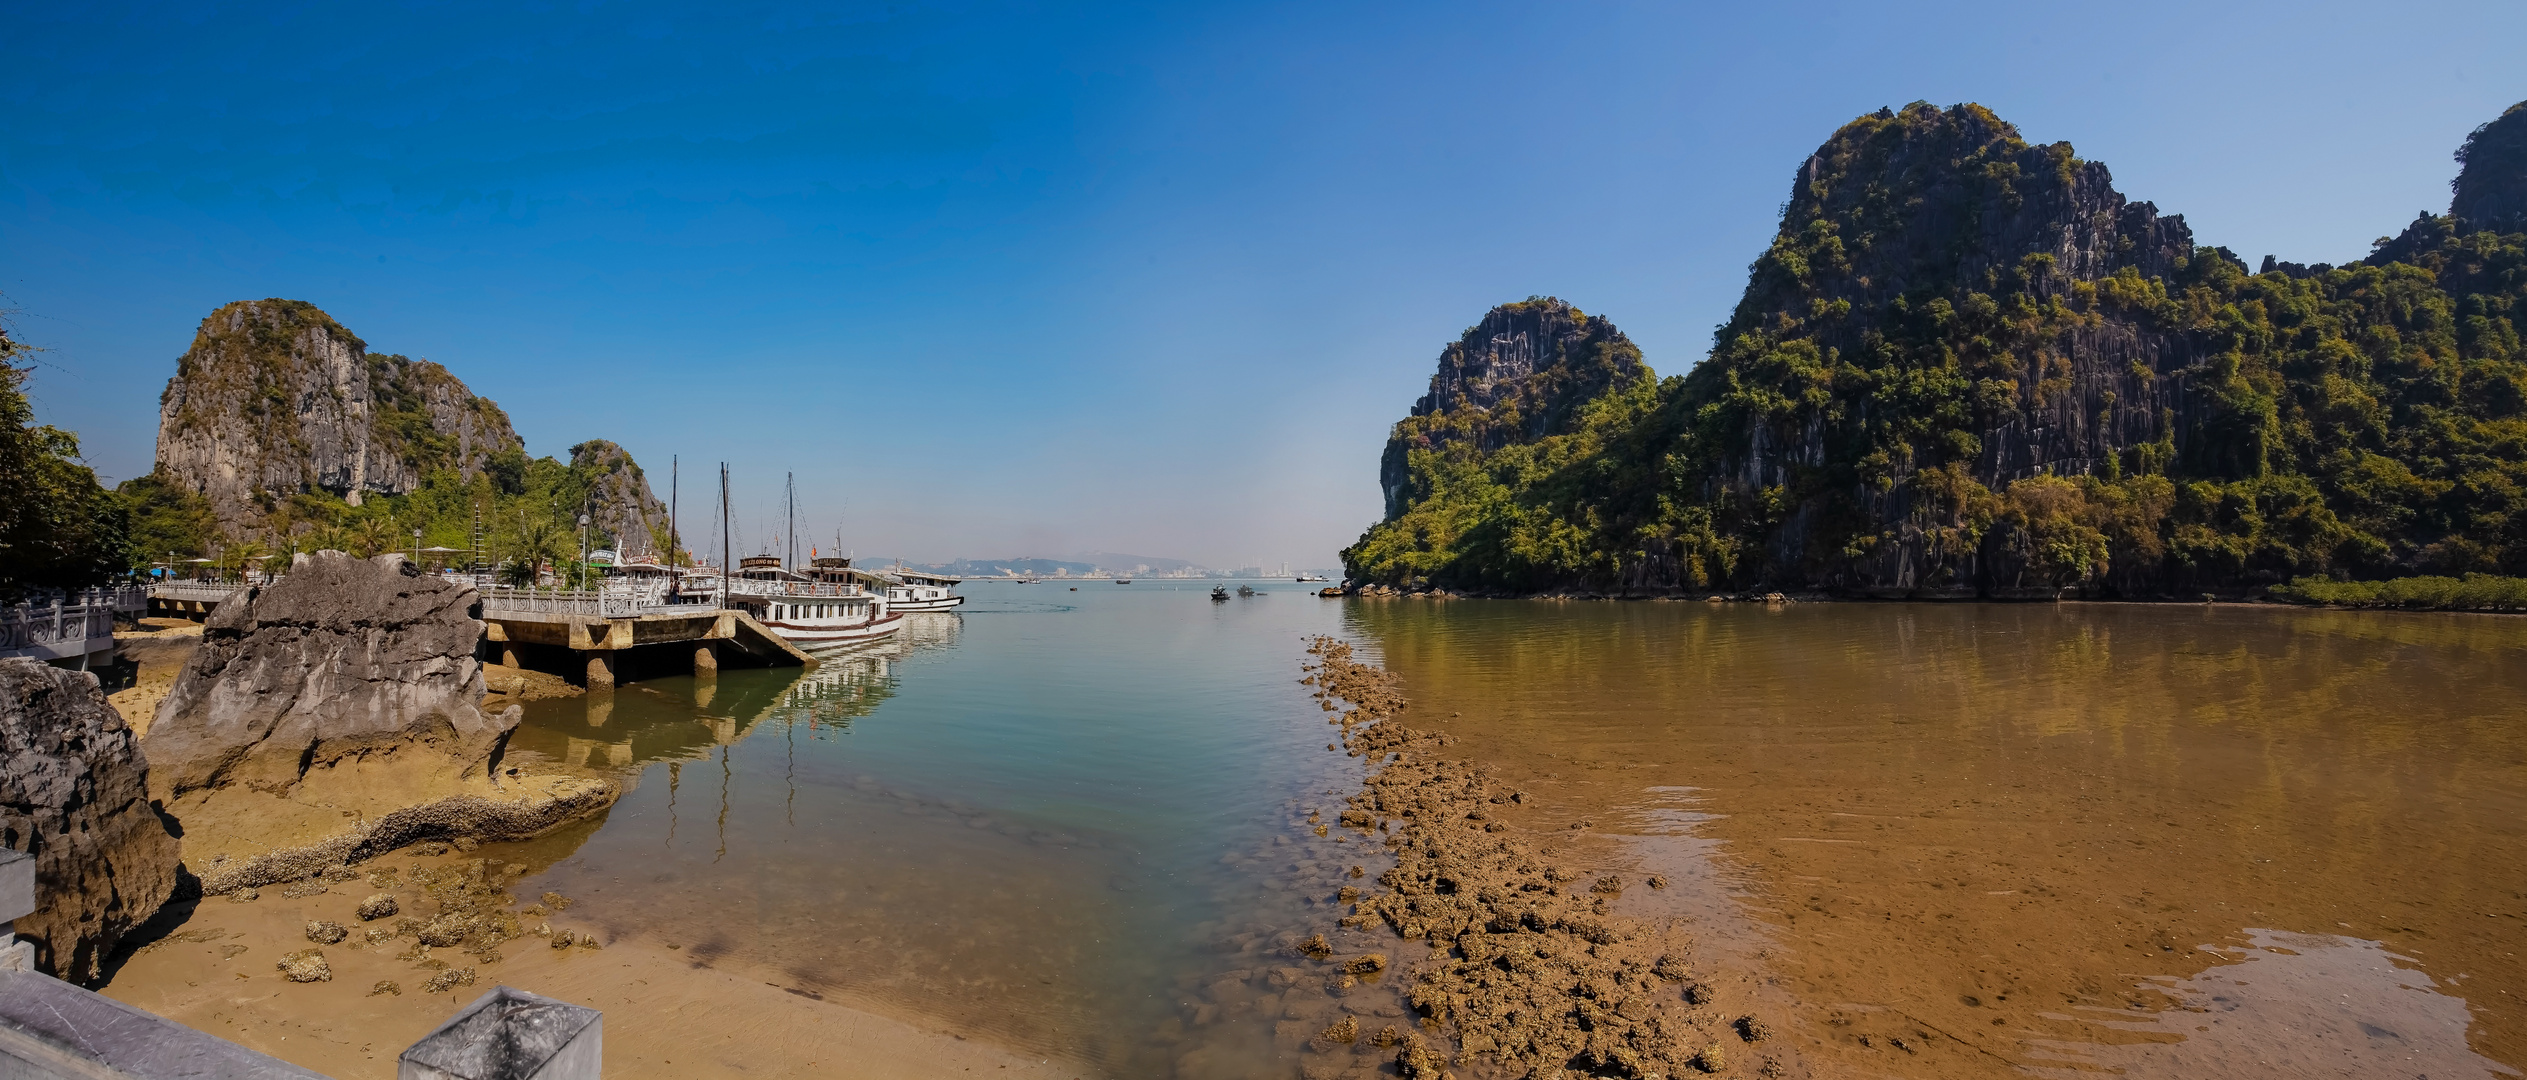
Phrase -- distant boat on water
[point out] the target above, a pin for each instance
(1123, 581)
(1219, 594)
(1304, 578)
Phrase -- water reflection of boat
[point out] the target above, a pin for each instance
(922, 630)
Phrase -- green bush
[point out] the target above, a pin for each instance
(2473, 592)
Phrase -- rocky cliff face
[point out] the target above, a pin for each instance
(276, 398)
(2491, 185)
(1903, 230)
(1519, 375)
(619, 497)
(1967, 366)
(73, 793)
(342, 658)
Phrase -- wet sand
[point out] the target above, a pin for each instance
(668, 1014)
(160, 647)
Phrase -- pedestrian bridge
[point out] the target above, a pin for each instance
(76, 630)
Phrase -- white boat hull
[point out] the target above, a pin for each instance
(823, 633)
(941, 604)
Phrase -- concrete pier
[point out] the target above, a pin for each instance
(608, 650)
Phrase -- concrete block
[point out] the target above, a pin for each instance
(509, 1034)
(17, 885)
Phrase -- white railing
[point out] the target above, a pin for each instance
(504, 600)
(587, 603)
(209, 592)
(51, 631)
(762, 587)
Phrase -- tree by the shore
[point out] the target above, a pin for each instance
(59, 529)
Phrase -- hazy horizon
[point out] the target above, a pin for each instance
(1021, 279)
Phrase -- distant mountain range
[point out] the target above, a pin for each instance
(1090, 564)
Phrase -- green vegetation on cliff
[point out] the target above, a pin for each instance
(281, 432)
(1966, 366)
(528, 508)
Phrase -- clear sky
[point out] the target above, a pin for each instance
(1040, 279)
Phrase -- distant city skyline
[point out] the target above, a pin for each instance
(1125, 278)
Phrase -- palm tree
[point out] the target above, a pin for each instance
(536, 543)
(372, 535)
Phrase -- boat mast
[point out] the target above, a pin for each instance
(672, 477)
(726, 578)
(789, 532)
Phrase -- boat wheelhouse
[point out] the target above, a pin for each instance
(817, 607)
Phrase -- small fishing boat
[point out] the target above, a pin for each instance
(1245, 591)
(1219, 594)
(1305, 578)
(1123, 581)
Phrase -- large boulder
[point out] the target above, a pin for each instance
(341, 659)
(73, 793)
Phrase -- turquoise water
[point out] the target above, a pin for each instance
(1045, 818)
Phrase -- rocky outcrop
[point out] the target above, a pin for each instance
(73, 793)
(1519, 375)
(619, 498)
(521, 810)
(341, 659)
(1968, 366)
(1950, 207)
(2491, 186)
(276, 398)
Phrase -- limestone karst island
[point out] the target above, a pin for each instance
(600, 542)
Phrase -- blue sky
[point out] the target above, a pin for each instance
(1040, 279)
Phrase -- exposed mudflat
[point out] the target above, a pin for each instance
(1514, 961)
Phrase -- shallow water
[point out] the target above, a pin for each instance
(1940, 840)
(1047, 819)
(1980, 839)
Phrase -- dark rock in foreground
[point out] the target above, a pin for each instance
(73, 785)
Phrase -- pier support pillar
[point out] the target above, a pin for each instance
(600, 671)
(509, 655)
(705, 659)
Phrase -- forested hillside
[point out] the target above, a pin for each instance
(1968, 366)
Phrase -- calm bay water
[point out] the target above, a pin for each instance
(1937, 840)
